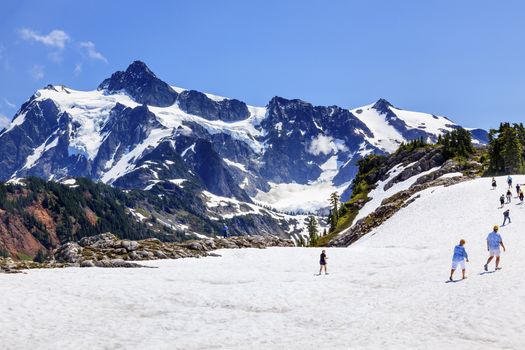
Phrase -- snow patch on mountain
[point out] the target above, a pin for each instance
(309, 197)
(39, 151)
(235, 165)
(430, 123)
(385, 136)
(126, 163)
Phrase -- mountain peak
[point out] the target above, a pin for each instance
(139, 68)
(382, 105)
(141, 84)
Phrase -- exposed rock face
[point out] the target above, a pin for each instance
(296, 129)
(197, 103)
(424, 161)
(142, 85)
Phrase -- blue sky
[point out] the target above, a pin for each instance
(462, 59)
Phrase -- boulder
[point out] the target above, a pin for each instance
(129, 245)
(70, 253)
(102, 241)
(87, 263)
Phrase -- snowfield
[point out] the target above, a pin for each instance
(387, 291)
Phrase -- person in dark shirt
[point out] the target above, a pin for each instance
(509, 196)
(506, 216)
(322, 262)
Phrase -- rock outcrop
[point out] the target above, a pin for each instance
(393, 204)
(107, 250)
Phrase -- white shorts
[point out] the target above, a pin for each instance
(494, 252)
(461, 264)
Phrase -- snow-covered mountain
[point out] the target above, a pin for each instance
(136, 131)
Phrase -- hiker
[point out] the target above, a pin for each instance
(225, 231)
(509, 196)
(502, 200)
(521, 197)
(459, 257)
(509, 181)
(322, 262)
(506, 216)
(494, 241)
(518, 189)
(494, 185)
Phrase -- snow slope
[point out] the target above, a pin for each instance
(385, 292)
(387, 137)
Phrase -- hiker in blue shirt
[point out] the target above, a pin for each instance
(225, 231)
(459, 257)
(509, 181)
(494, 241)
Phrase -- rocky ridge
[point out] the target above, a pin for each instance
(107, 250)
(392, 204)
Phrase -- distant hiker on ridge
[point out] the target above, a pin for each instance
(506, 216)
(459, 257)
(494, 185)
(322, 262)
(494, 241)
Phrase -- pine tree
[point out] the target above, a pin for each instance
(311, 224)
(334, 210)
(512, 151)
(457, 143)
(507, 149)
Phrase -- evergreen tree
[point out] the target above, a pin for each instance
(512, 151)
(457, 143)
(311, 224)
(506, 149)
(334, 210)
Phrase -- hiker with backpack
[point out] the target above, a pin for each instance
(502, 200)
